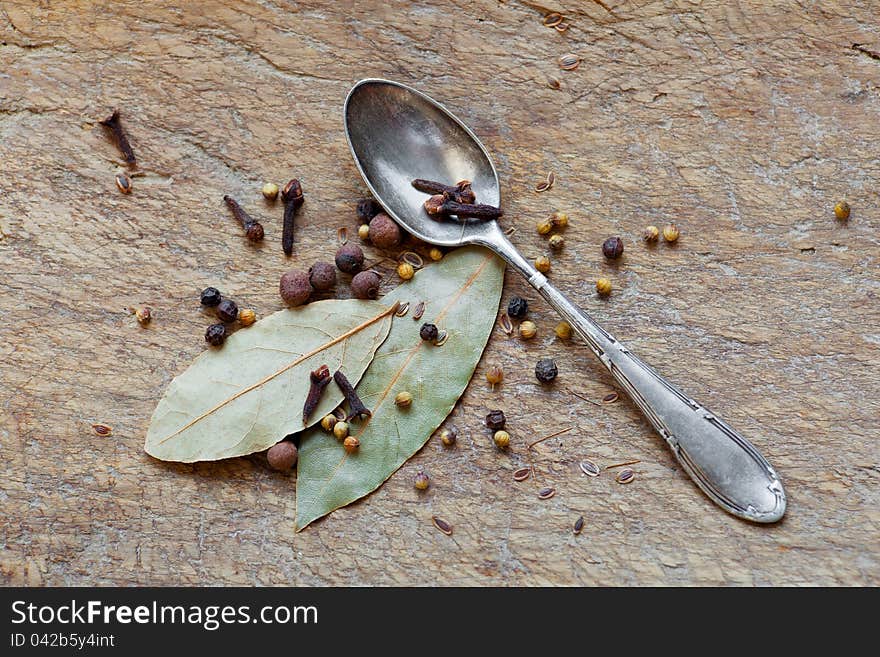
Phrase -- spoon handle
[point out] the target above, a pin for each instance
(726, 466)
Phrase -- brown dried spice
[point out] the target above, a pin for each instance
(626, 476)
(419, 311)
(102, 429)
(547, 184)
(442, 525)
(589, 468)
(578, 525)
(522, 474)
(546, 493)
(610, 398)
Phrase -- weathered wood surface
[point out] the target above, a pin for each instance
(744, 122)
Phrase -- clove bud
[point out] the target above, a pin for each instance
(461, 192)
(114, 125)
(356, 406)
(438, 206)
(319, 379)
(252, 228)
(292, 196)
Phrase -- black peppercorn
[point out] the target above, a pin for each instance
(517, 307)
(211, 296)
(227, 310)
(612, 248)
(495, 420)
(215, 335)
(367, 209)
(429, 332)
(350, 258)
(546, 370)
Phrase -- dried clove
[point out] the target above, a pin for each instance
(292, 196)
(439, 206)
(461, 192)
(356, 406)
(318, 380)
(252, 228)
(114, 125)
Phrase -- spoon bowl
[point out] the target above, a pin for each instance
(397, 134)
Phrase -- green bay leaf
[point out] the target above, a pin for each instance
(461, 293)
(246, 396)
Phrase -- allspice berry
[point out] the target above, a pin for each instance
(448, 436)
(612, 248)
(364, 232)
(351, 444)
(365, 285)
(328, 422)
(435, 254)
(842, 210)
(270, 191)
(282, 456)
(501, 439)
(652, 234)
(340, 430)
(670, 232)
(403, 399)
(406, 271)
(246, 317)
(542, 264)
(422, 481)
(603, 287)
(527, 330)
(295, 287)
(322, 275)
(384, 232)
(563, 330)
(350, 258)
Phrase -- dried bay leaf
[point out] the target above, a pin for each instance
(248, 395)
(461, 294)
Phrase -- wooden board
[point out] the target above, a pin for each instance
(742, 122)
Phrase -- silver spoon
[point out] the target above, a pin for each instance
(397, 134)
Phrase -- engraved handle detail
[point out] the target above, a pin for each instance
(726, 466)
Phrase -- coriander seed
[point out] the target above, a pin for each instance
(328, 422)
(544, 226)
(403, 399)
(603, 287)
(246, 316)
(364, 232)
(527, 330)
(556, 242)
(542, 264)
(495, 419)
(501, 439)
(405, 271)
(494, 375)
(351, 444)
(612, 248)
(422, 481)
(563, 330)
(340, 429)
(670, 232)
(143, 315)
(546, 370)
(652, 233)
(435, 254)
(215, 335)
(270, 191)
(842, 210)
(559, 220)
(448, 436)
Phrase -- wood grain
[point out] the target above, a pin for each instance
(743, 122)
